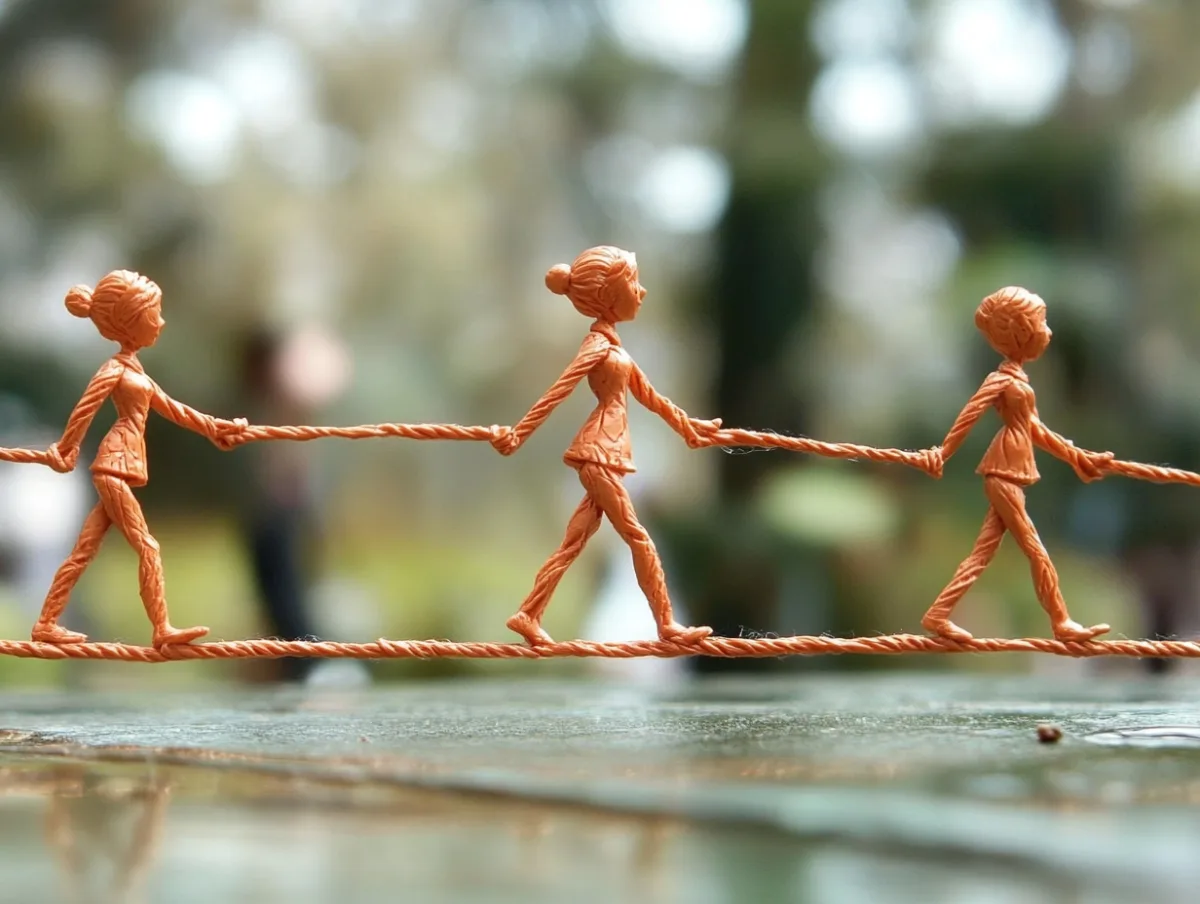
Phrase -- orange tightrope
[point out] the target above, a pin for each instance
(727, 647)
(1153, 473)
(368, 431)
(925, 459)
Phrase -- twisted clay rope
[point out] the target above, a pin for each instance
(727, 647)
(1152, 473)
(368, 431)
(23, 456)
(925, 460)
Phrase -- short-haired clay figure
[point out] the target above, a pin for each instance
(1014, 322)
(603, 284)
(127, 309)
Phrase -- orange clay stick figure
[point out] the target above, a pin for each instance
(603, 284)
(1014, 322)
(126, 308)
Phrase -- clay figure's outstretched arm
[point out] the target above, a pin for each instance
(1087, 465)
(975, 408)
(591, 353)
(197, 421)
(63, 454)
(693, 430)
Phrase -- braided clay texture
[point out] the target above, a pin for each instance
(723, 647)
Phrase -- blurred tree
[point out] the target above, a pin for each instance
(762, 311)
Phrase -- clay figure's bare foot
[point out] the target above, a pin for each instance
(1073, 631)
(677, 633)
(943, 627)
(49, 632)
(168, 636)
(528, 628)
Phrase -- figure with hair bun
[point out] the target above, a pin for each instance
(1013, 320)
(603, 284)
(127, 309)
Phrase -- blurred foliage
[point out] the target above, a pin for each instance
(819, 194)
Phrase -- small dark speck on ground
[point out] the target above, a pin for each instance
(1049, 734)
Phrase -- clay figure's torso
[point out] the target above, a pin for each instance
(1011, 453)
(604, 439)
(123, 450)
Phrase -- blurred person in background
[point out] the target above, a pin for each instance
(287, 377)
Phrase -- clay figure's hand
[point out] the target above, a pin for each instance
(699, 432)
(61, 463)
(228, 434)
(934, 462)
(503, 440)
(1089, 466)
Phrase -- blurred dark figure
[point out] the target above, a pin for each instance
(1160, 547)
(762, 305)
(285, 378)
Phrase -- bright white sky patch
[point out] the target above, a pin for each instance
(1106, 56)
(443, 112)
(860, 28)
(1173, 147)
(685, 189)
(1005, 60)
(269, 80)
(866, 106)
(697, 37)
(193, 120)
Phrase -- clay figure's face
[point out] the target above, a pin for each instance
(149, 324)
(1040, 339)
(1015, 324)
(627, 296)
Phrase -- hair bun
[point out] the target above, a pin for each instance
(79, 301)
(558, 279)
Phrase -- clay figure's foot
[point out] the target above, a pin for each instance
(677, 633)
(943, 627)
(528, 628)
(168, 636)
(1073, 631)
(49, 632)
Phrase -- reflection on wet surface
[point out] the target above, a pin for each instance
(848, 790)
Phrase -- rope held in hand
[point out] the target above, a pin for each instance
(725, 647)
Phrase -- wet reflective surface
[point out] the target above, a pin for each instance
(806, 789)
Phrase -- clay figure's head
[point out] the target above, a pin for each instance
(1014, 321)
(125, 306)
(602, 283)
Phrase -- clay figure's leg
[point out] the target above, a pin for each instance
(605, 486)
(47, 628)
(937, 619)
(122, 506)
(582, 526)
(1009, 501)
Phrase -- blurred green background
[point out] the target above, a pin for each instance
(350, 205)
